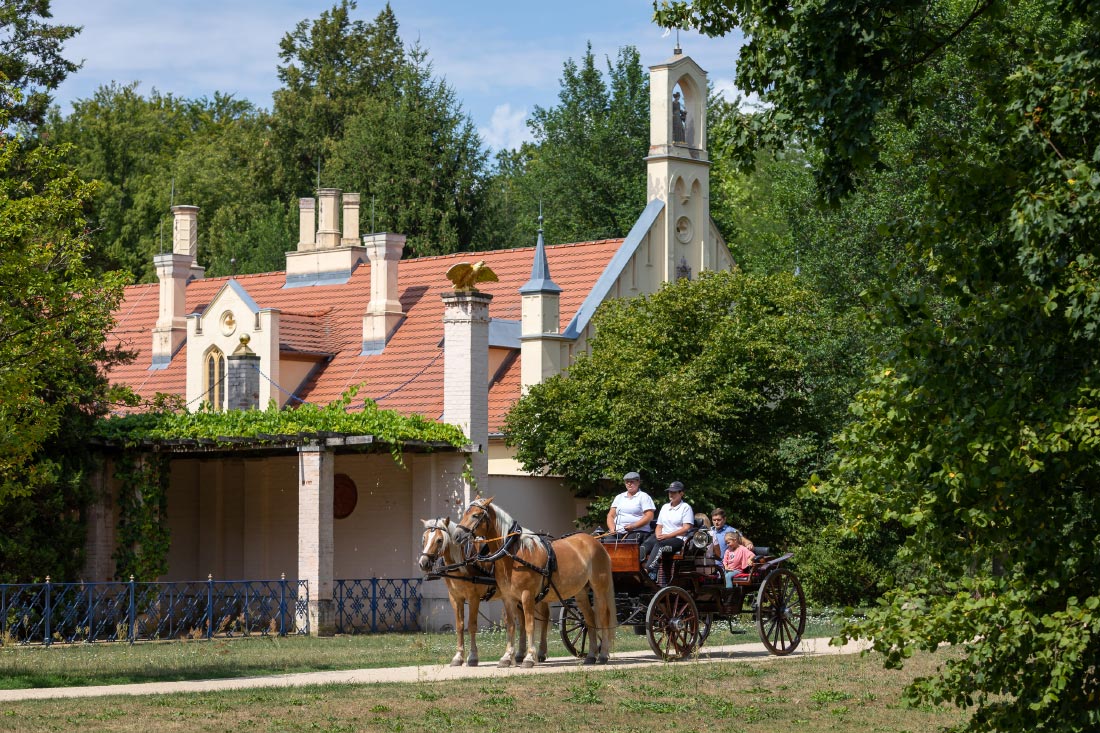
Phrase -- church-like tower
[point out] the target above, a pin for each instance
(678, 167)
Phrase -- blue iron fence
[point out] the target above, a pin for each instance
(377, 604)
(49, 613)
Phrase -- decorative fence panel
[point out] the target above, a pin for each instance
(51, 613)
(377, 604)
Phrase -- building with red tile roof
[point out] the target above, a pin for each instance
(349, 311)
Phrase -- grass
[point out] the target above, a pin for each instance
(118, 663)
(807, 694)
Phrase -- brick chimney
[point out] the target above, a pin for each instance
(466, 375)
(384, 312)
(174, 271)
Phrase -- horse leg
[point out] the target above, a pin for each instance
(606, 615)
(457, 605)
(510, 624)
(521, 634)
(595, 632)
(530, 622)
(474, 602)
(542, 611)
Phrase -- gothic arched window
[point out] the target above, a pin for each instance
(214, 378)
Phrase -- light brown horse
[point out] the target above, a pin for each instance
(526, 573)
(460, 576)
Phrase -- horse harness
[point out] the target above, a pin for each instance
(547, 571)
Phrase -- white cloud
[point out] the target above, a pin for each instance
(507, 128)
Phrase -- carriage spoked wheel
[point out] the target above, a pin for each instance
(706, 621)
(672, 624)
(574, 633)
(781, 612)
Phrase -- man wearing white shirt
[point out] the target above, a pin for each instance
(675, 520)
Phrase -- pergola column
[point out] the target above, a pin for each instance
(315, 542)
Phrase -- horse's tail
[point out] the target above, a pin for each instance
(603, 593)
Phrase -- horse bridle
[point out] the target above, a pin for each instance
(482, 516)
(434, 526)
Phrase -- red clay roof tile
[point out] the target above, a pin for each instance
(327, 319)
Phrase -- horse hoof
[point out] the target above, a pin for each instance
(471, 663)
(602, 659)
(542, 658)
(505, 663)
(456, 662)
(589, 660)
(528, 663)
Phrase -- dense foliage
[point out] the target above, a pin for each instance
(978, 432)
(635, 402)
(388, 426)
(584, 167)
(31, 64)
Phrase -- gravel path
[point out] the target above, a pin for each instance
(754, 652)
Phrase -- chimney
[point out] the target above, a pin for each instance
(327, 256)
(328, 230)
(466, 373)
(307, 224)
(243, 377)
(384, 312)
(351, 220)
(174, 271)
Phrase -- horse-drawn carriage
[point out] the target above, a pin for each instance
(599, 590)
(689, 597)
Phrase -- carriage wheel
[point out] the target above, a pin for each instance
(574, 633)
(781, 612)
(672, 624)
(706, 621)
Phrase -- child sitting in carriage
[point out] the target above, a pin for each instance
(738, 557)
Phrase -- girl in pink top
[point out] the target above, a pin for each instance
(737, 558)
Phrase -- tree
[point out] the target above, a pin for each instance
(584, 166)
(146, 153)
(416, 159)
(747, 440)
(55, 311)
(333, 69)
(30, 59)
(979, 433)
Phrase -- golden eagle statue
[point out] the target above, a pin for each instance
(466, 276)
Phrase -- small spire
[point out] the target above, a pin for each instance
(540, 281)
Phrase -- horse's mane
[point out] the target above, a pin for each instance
(528, 540)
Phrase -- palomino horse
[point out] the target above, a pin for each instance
(460, 576)
(529, 569)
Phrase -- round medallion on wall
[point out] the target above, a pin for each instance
(228, 323)
(344, 496)
(684, 229)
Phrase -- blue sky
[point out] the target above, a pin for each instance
(502, 58)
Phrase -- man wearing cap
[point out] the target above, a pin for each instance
(673, 523)
(632, 510)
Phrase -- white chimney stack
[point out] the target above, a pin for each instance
(384, 310)
(307, 224)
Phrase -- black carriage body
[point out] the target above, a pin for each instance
(677, 610)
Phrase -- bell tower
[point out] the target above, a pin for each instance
(678, 168)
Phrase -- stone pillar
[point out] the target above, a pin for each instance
(99, 544)
(315, 542)
(351, 220)
(243, 377)
(328, 230)
(466, 376)
(438, 490)
(307, 224)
